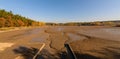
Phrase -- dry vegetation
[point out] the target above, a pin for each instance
(8, 19)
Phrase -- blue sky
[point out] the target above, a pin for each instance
(64, 10)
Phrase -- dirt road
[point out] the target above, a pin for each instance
(87, 42)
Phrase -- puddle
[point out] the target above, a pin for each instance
(40, 39)
(112, 31)
(60, 29)
(75, 37)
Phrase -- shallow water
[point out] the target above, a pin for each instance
(74, 37)
(112, 31)
(39, 39)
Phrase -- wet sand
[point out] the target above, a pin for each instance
(88, 42)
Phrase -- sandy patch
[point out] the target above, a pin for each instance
(19, 57)
(3, 46)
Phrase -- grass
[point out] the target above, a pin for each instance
(6, 28)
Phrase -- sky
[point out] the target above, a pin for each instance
(64, 10)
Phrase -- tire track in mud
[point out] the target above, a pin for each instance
(87, 44)
(96, 47)
(49, 52)
(59, 42)
(73, 36)
(55, 46)
(68, 39)
(81, 35)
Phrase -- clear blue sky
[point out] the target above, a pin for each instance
(64, 10)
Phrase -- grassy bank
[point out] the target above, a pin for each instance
(5, 29)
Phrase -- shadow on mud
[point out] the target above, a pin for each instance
(47, 55)
(28, 53)
(108, 52)
(85, 56)
(63, 55)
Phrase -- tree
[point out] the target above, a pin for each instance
(2, 22)
(8, 19)
(20, 22)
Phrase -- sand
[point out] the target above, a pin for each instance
(3, 46)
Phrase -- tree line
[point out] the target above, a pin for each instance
(97, 23)
(8, 19)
